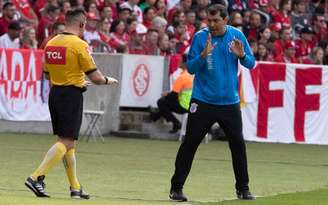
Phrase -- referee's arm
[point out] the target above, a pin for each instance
(99, 79)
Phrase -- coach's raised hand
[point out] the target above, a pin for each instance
(209, 47)
(237, 48)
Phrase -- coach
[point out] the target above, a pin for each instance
(213, 59)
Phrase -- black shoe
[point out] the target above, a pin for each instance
(79, 194)
(177, 195)
(37, 186)
(245, 195)
(176, 128)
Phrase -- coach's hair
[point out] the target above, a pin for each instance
(218, 8)
(74, 15)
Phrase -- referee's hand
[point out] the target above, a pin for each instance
(111, 80)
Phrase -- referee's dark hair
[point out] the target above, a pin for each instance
(218, 8)
(74, 15)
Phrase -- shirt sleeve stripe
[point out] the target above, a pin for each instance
(90, 71)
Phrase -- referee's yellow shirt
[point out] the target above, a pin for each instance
(67, 58)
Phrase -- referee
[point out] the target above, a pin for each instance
(213, 59)
(67, 60)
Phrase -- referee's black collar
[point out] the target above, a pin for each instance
(67, 33)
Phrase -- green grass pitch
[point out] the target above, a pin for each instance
(133, 171)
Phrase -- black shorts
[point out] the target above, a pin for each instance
(66, 108)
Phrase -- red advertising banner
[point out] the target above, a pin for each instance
(286, 103)
(20, 85)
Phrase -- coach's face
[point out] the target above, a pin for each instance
(217, 24)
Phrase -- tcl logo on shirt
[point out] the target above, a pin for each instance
(55, 55)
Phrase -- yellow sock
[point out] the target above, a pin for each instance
(70, 166)
(53, 156)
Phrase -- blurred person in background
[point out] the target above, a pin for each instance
(313, 5)
(190, 22)
(319, 26)
(151, 42)
(160, 7)
(253, 45)
(148, 16)
(275, 31)
(133, 5)
(11, 38)
(118, 36)
(164, 45)
(183, 6)
(104, 34)
(177, 17)
(237, 5)
(113, 5)
(305, 44)
(160, 24)
(131, 25)
(57, 28)
(26, 12)
(146, 4)
(91, 34)
(135, 44)
(175, 101)
(279, 44)
(264, 35)
(251, 30)
(28, 40)
(124, 13)
(315, 57)
(181, 34)
(91, 7)
(236, 20)
(77, 4)
(299, 16)
(8, 14)
(246, 17)
(104, 27)
(45, 25)
(122, 49)
(1, 5)
(288, 55)
(64, 6)
(201, 15)
(107, 12)
(324, 46)
(283, 15)
(172, 44)
(263, 54)
(201, 3)
(273, 6)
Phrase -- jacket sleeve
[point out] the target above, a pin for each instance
(249, 60)
(194, 61)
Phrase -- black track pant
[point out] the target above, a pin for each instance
(201, 117)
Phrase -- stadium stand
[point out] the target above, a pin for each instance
(141, 26)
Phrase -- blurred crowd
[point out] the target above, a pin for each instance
(291, 31)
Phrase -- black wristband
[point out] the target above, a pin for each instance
(106, 80)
